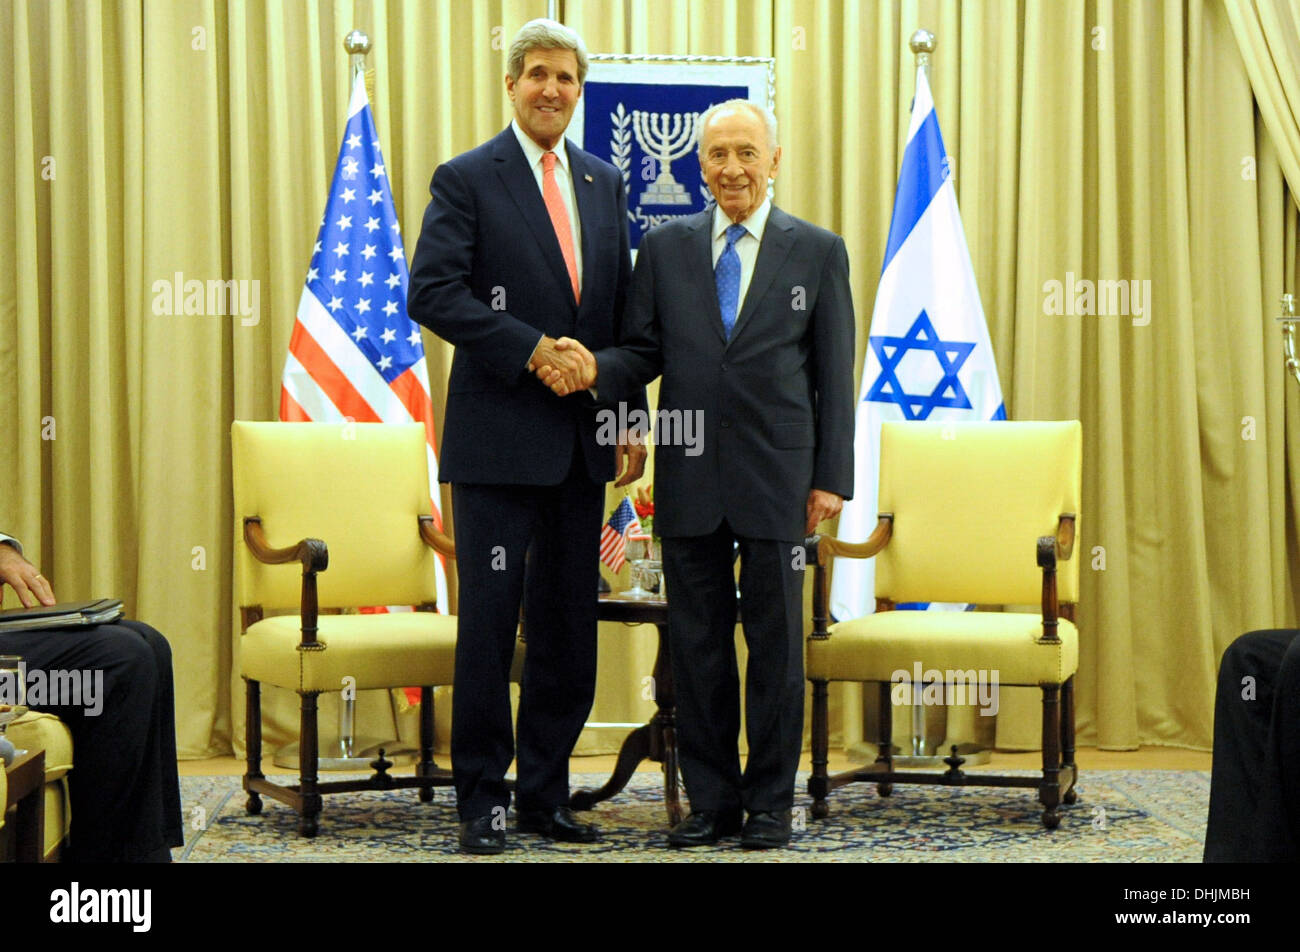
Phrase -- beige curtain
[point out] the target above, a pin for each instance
(1104, 140)
(1268, 35)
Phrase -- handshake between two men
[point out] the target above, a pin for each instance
(567, 367)
(564, 365)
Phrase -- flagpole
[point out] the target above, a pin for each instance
(922, 44)
(348, 752)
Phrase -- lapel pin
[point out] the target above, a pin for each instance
(587, 177)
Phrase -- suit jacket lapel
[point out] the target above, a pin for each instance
(588, 208)
(699, 252)
(521, 184)
(778, 239)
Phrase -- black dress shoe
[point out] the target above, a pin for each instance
(481, 837)
(765, 831)
(558, 823)
(704, 828)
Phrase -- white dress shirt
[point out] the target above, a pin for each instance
(746, 247)
(12, 541)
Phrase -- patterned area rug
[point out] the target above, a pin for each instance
(1121, 817)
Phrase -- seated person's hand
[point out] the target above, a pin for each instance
(32, 587)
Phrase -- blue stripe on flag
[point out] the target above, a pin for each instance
(923, 172)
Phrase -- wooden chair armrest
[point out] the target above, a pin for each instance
(314, 556)
(825, 548)
(312, 553)
(435, 538)
(822, 549)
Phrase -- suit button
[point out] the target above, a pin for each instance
(726, 423)
(724, 367)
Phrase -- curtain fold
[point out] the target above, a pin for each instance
(156, 142)
(1268, 35)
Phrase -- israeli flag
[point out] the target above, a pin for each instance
(928, 352)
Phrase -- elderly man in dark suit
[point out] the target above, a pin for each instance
(746, 311)
(524, 241)
(125, 802)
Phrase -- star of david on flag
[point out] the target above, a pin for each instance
(354, 354)
(928, 352)
(890, 350)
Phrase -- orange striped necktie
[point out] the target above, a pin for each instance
(559, 219)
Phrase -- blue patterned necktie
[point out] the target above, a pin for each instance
(726, 274)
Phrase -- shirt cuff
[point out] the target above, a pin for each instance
(11, 541)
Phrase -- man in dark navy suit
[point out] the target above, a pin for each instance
(525, 241)
(747, 313)
(123, 791)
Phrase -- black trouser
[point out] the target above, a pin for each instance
(701, 593)
(124, 794)
(559, 529)
(1255, 782)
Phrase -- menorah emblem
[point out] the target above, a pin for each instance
(665, 137)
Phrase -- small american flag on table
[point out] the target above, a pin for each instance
(613, 538)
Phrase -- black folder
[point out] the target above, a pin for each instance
(62, 615)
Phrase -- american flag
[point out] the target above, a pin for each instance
(613, 538)
(354, 354)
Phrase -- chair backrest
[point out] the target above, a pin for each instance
(970, 501)
(358, 486)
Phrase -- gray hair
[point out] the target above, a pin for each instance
(764, 113)
(543, 34)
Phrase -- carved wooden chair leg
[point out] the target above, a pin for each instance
(1049, 791)
(885, 717)
(425, 767)
(253, 742)
(308, 756)
(1067, 738)
(818, 783)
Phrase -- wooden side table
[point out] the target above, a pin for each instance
(657, 740)
(26, 779)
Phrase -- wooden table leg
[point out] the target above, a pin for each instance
(656, 741)
(26, 779)
(665, 725)
(635, 749)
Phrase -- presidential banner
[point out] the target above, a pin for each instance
(641, 114)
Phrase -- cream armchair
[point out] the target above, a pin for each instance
(353, 499)
(981, 513)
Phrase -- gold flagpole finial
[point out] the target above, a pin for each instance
(922, 44)
(357, 44)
